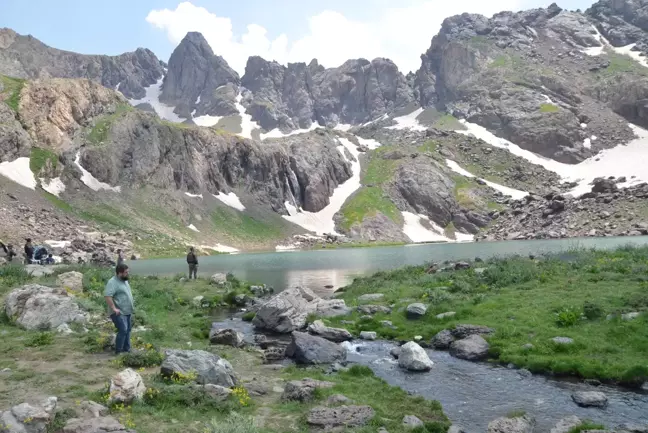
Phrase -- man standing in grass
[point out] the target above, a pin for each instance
(119, 298)
(192, 261)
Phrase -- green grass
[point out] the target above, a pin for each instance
(429, 146)
(245, 227)
(585, 426)
(99, 132)
(39, 158)
(367, 202)
(549, 108)
(463, 191)
(57, 202)
(448, 122)
(621, 64)
(523, 300)
(359, 384)
(12, 88)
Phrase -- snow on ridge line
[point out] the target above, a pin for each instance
(512, 192)
(19, 171)
(90, 181)
(53, 186)
(231, 200)
(152, 97)
(206, 120)
(188, 194)
(322, 222)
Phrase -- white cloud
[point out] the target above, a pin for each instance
(399, 33)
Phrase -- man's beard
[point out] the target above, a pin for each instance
(124, 278)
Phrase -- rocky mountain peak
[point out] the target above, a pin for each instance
(194, 74)
(622, 22)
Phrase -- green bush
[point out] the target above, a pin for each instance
(586, 425)
(248, 316)
(40, 339)
(139, 359)
(568, 316)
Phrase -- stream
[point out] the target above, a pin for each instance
(473, 394)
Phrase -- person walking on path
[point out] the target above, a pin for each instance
(119, 299)
(192, 261)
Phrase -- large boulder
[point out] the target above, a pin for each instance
(226, 337)
(416, 311)
(522, 424)
(337, 335)
(590, 399)
(443, 339)
(463, 331)
(288, 311)
(208, 367)
(27, 418)
(332, 418)
(38, 307)
(303, 390)
(414, 358)
(126, 386)
(473, 348)
(72, 281)
(310, 349)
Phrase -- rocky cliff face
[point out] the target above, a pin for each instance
(27, 57)
(622, 22)
(294, 96)
(197, 79)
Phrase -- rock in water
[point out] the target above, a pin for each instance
(414, 358)
(303, 390)
(443, 339)
(566, 424)
(310, 349)
(342, 416)
(368, 335)
(473, 348)
(72, 281)
(39, 307)
(416, 311)
(126, 386)
(208, 367)
(590, 399)
(288, 311)
(523, 424)
(337, 335)
(27, 418)
(226, 337)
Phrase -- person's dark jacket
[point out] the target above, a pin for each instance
(192, 259)
(29, 251)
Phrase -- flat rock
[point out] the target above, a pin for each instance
(523, 424)
(416, 310)
(208, 367)
(442, 340)
(371, 297)
(303, 390)
(332, 418)
(445, 315)
(37, 307)
(311, 349)
(566, 424)
(28, 418)
(226, 337)
(126, 386)
(590, 399)
(373, 309)
(463, 331)
(337, 335)
(414, 358)
(218, 279)
(106, 424)
(472, 348)
(216, 392)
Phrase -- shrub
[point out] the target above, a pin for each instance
(516, 414)
(234, 423)
(567, 316)
(40, 339)
(139, 359)
(360, 371)
(592, 311)
(97, 342)
(60, 419)
(248, 316)
(586, 425)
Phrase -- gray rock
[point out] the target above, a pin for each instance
(395, 352)
(590, 399)
(219, 279)
(371, 297)
(226, 337)
(525, 373)
(38, 307)
(523, 424)
(72, 281)
(126, 387)
(368, 335)
(303, 390)
(472, 348)
(414, 358)
(416, 311)
(443, 339)
(373, 309)
(338, 399)
(106, 424)
(310, 349)
(208, 367)
(216, 392)
(91, 409)
(445, 315)
(566, 424)
(330, 418)
(337, 335)
(411, 422)
(463, 331)
(456, 429)
(562, 340)
(27, 418)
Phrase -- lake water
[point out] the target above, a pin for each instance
(321, 269)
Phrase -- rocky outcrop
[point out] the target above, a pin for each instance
(621, 22)
(414, 358)
(472, 348)
(198, 82)
(336, 335)
(126, 387)
(27, 57)
(208, 367)
(29, 418)
(72, 281)
(295, 96)
(303, 390)
(14, 140)
(288, 311)
(36, 307)
(522, 424)
(310, 349)
(226, 337)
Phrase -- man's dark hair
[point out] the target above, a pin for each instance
(119, 250)
(121, 268)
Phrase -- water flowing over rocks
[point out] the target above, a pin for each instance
(412, 357)
(310, 349)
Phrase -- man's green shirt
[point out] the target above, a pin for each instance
(121, 293)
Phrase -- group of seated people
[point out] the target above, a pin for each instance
(32, 255)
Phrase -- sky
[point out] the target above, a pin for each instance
(283, 30)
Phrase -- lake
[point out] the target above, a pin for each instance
(321, 269)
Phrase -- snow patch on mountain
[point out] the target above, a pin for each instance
(231, 200)
(512, 192)
(90, 181)
(409, 121)
(19, 171)
(152, 97)
(247, 124)
(53, 186)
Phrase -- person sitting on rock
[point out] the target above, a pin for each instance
(29, 251)
(192, 261)
(119, 299)
(49, 260)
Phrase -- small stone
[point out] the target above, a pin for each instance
(630, 316)
(395, 352)
(525, 373)
(416, 310)
(562, 340)
(371, 297)
(445, 315)
(414, 358)
(338, 399)
(527, 346)
(411, 422)
(442, 339)
(590, 399)
(368, 335)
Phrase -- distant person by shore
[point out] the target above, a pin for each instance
(192, 261)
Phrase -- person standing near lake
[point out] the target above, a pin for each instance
(119, 299)
(192, 261)
(120, 257)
